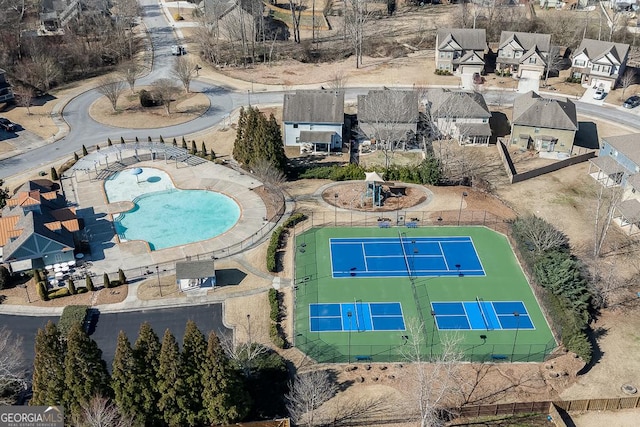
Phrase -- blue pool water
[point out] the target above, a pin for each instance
(177, 217)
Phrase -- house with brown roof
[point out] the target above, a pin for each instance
(461, 50)
(461, 115)
(618, 164)
(37, 228)
(543, 124)
(599, 63)
(313, 120)
(523, 52)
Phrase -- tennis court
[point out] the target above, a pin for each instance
(483, 315)
(358, 316)
(404, 256)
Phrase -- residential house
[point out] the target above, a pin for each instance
(622, 5)
(313, 120)
(543, 124)
(55, 14)
(192, 275)
(618, 164)
(461, 115)
(6, 92)
(389, 116)
(37, 228)
(523, 53)
(599, 63)
(461, 50)
(564, 4)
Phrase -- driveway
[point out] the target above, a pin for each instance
(467, 81)
(529, 81)
(587, 97)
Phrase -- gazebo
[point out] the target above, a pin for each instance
(374, 187)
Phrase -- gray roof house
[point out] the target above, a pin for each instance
(389, 115)
(599, 63)
(618, 164)
(543, 124)
(313, 120)
(460, 49)
(461, 115)
(518, 52)
(191, 275)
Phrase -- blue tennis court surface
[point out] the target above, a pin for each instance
(404, 256)
(358, 316)
(486, 315)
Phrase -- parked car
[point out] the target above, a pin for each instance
(632, 102)
(599, 93)
(477, 79)
(7, 125)
(178, 50)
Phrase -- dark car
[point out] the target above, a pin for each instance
(7, 125)
(477, 79)
(632, 102)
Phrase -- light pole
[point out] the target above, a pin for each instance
(349, 357)
(433, 332)
(464, 194)
(249, 327)
(335, 209)
(26, 290)
(158, 275)
(249, 97)
(515, 338)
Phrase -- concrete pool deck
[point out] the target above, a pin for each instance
(108, 254)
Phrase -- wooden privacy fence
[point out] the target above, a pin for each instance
(611, 404)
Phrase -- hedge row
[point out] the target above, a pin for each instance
(276, 240)
(71, 315)
(565, 293)
(275, 330)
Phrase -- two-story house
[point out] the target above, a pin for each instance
(313, 120)
(543, 124)
(6, 92)
(599, 64)
(523, 52)
(618, 164)
(461, 115)
(461, 50)
(37, 228)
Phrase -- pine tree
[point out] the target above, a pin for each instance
(175, 143)
(121, 140)
(43, 292)
(161, 139)
(109, 143)
(149, 139)
(170, 381)
(204, 149)
(37, 275)
(85, 373)
(75, 156)
(71, 286)
(194, 149)
(97, 147)
(105, 280)
(84, 150)
(48, 366)
(224, 396)
(89, 283)
(258, 138)
(137, 140)
(184, 144)
(54, 174)
(146, 355)
(193, 359)
(122, 381)
(121, 277)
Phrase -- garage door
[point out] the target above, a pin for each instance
(529, 81)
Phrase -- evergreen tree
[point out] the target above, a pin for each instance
(145, 375)
(71, 286)
(84, 150)
(175, 143)
(97, 147)
(122, 382)
(170, 381)
(75, 156)
(54, 174)
(43, 292)
(184, 144)
(193, 359)
(89, 283)
(204, 149)
(224, 396)
(258, 138)
(37, 275)
(48, 366)
(137, 140)
(161, 139)
(105, 280)
(194, 149)
(121, 140)
(149, 139)
(109, 143)
(121, 277)
(85, 373)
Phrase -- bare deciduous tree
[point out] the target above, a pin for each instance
(627, 79)
(167, 89)
(111, 88)
(338, 81)
(607, 199)
(356, 16)
(24, 96)
(268, 173)
(554, 62)
(307, 393)
(540, 234)
(184, 69)
(101, 412)
(130, 71)
(12, 373)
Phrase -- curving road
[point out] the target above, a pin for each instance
(86, 131)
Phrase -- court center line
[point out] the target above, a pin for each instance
(446, 264)
(341, 319)
(467, 316)
(364, 258)
(477, 256)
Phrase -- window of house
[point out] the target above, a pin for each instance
(297, 140)
(579, 63)
(442, 54)
(537, 130)
(606, 68)
(532, 60)
(449, 54)
(514, 141)
(295, 126)
(310, 127)
(518, 54)
(485, 120)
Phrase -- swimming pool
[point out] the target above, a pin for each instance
(170, 217)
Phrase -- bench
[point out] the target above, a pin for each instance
(384, 224)
(363, 358)
(412, 224)
(499, 357)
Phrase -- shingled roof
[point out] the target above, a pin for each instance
(314, 106)
(449, 103)
(530, 109)
(628, 145)
(597, 49)
(526, 40)
(466, 38)
(398, 106)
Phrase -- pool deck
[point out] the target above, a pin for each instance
(108, 254)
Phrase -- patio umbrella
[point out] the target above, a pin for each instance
(136, 172)
(59, 274)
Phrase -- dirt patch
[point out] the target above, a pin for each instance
(130, 114)
(351, 195)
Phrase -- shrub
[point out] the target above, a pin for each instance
(89, 283)
(114, 284)
(178, 17)
(4, 277)
(105, 280)
(42, 291)
(71, 315)
(59, 293)
(274, 304)
(82, 290)
(277, 335)
(272, 250)
(84, 150)
(121, 277)
(294, 219)
(72, 287)
(150, 98)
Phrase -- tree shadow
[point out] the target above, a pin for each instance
(500, 126)
(596, 354)
(229, 277)
(587, 136)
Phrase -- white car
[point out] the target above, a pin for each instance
(178, 50)
(599, 93)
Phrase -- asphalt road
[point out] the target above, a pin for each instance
(108, 326)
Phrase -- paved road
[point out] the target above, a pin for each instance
(207, 317)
